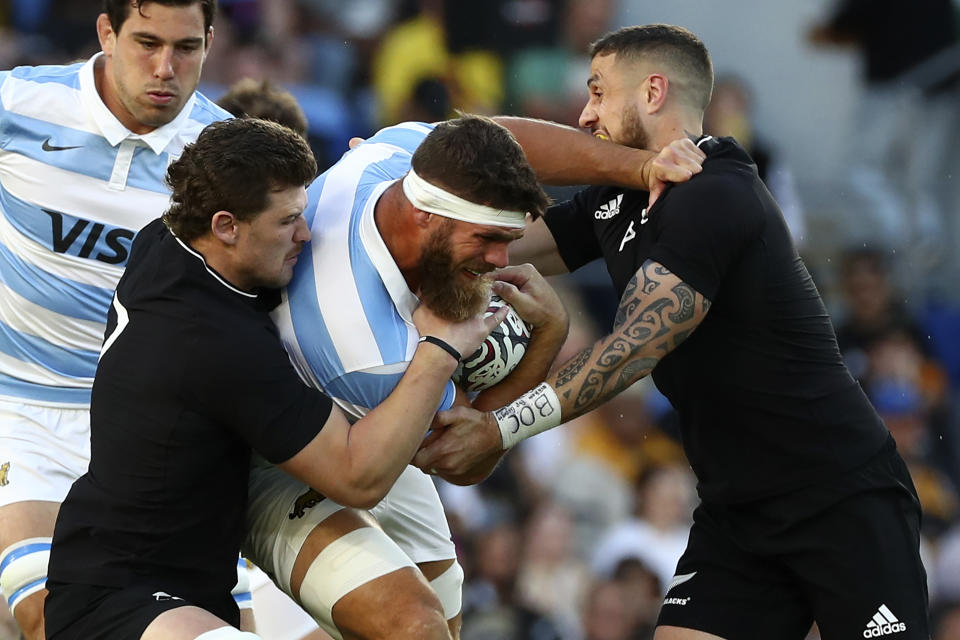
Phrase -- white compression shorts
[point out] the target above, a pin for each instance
(42, 451)
(282, 512)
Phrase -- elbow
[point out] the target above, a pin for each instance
(361, 493)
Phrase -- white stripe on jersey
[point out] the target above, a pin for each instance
(339, 298)
(60, 265)
(53, 188)
(47, 101)
(32, 319)
(39, 374)
(284, 321)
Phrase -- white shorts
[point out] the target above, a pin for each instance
(281, 514)
(278, 617)
(42, 451)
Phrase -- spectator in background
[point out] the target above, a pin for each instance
(612, 446)
(428, 102)
(906, 403)
(260, 99)
(946, 622)
(945, 570)
(910, 73)
(881, 341)
(552, 577)
(644, 594)
(491, 606)
(730, 113)
(607, 615)
(872, 308)
(418, 48)
(547, 81)
(657, 534)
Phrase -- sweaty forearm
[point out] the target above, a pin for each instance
(563, 155)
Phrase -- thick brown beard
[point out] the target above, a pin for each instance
(439, 288)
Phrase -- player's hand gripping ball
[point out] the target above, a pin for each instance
(498, 354)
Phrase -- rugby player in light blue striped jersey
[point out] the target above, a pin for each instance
(83, 153)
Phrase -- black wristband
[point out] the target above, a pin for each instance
(443, 345)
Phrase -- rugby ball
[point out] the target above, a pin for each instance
(498, 354)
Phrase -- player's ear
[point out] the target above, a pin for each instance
(105, 34)
(654, 92)
(422, 218)
(224, 227)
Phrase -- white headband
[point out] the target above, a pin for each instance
(431, 198)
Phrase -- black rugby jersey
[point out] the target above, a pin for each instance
(765, 401)
(192, 378)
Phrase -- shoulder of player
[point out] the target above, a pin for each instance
(206, 110)
(60, 73)
(723, 182)
(406, 136)
(601, 201)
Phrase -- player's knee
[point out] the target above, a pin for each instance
(23, 570)
(419, 620)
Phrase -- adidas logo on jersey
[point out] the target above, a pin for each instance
(607, 211)
(883, 623)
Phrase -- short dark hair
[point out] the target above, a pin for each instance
(249, 98)
(679, 48)
(479, 160)
(232, 167)
(119, 10)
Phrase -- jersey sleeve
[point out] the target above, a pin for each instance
(364, 389)
(251, 388)
(704, 226)
(571, 224)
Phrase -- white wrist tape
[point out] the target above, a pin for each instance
(534, 412)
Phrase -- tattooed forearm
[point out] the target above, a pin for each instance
(633, 371)
(628, 302)
(573, 367)
(652, 320)
(686, 306)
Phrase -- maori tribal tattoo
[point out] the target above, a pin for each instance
(657, 312)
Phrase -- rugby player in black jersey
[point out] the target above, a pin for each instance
(807, 512)
(192, 378)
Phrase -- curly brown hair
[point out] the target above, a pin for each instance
(479, 160)
(232, 167)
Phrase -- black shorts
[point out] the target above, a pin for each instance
(85, 612)
(852, 565)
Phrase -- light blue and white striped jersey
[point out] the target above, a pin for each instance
(346, 317)
(75, 187)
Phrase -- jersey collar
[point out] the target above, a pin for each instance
(403, 299)
(112, 129)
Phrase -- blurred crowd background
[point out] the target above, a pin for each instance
(851, 109)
